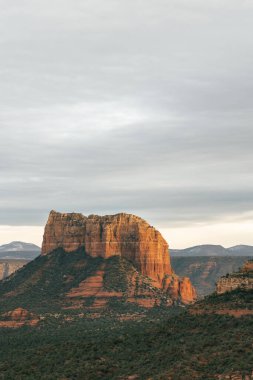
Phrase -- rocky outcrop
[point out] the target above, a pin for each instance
(180, 288)
(18, 314)
(242, 279)
(186, 292)
(227, 284)
(123, 235)
(17, 318)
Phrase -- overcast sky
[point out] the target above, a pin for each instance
(136, 106)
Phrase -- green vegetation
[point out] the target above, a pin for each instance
(117, 274)
(46, 278)
(183, 347)
(41, 286)
(237, 299)
(126, 340)
(121, 275)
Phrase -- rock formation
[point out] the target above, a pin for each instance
(125, 285)
(18, 314)
(186, 292)
(104, 236)
(123, 235)
(242, 279)
(17, 318)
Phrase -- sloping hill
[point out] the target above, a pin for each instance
(76, 281)
(204, 342)
(68, 337)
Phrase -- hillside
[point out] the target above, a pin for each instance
(75, 281)
(161, 346)
(72, 314)
(66, 334)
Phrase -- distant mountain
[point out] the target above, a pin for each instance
(19, 246)
(241, 250)
(19, 250)
(205, 264)
(209, 250)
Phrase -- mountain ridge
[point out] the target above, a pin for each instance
(19, 246)
(18, 250)
(213, 250)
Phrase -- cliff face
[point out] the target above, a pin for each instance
(122, 235)
(242, 279)
(233, 282)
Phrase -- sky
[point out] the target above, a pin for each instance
(128, 106)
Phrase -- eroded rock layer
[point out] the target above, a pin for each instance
(242, 279)
(125, 284)
(18, 318)
(123, 235)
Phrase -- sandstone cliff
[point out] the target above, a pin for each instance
(104, 236)
(122, 235)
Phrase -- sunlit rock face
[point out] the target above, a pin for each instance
(180, 288)
(242, 279)
(123, 235)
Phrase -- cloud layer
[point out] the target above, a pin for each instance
(137, 106)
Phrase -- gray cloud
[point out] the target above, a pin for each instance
(137, 106)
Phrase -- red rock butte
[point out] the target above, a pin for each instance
(123, 235)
